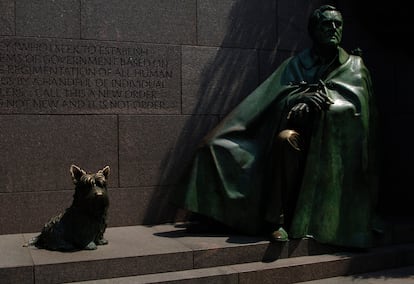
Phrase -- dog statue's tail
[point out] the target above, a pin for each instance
(31, 242)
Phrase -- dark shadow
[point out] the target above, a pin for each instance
(384, 30)
(274, 251)
(383, 263)
(232, 74)
(297, 248)
(389, 25)
(404, 273)
(227, 77)
(232, 237)
(182, 231)
(229, 74)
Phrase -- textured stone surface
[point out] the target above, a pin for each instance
(242, 23)
(403, 275)
(21, 275)
(7, 26)
(49, 76)
(48, 18)
(37, 150)
(253, 35)
(306, 268)
(146, 205)
(131, 251)
(166, 253)
(229, 248)
(154, 21)
(270, 61)
(216, 79)
(15, 260)
(222, 249)
(145, 159)
(292, 17)
(28, 212)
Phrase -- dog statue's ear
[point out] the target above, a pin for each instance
(105, 171)
(76, 173)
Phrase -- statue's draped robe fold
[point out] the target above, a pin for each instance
(230, 178)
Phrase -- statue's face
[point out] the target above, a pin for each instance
(329, 30)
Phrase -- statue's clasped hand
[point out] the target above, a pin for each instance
(307, 102)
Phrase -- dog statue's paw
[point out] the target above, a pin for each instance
(102, 242)
(91, 246)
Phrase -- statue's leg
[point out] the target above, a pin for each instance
(287, 162)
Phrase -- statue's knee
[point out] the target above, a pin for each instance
(290, 136)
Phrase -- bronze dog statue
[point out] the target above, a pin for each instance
(82, 225)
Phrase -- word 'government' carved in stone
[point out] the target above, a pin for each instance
(68, 76)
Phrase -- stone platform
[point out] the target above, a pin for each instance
(168, 254)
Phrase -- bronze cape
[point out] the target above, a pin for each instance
(231, 177)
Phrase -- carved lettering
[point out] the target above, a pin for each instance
(52, 76)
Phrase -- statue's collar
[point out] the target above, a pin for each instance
(309, 59)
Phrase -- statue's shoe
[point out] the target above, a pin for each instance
(280, 235)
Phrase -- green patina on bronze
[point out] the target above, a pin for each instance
(231, 178)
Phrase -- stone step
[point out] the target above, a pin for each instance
(324, 268)
(400, 275)
(168, 251)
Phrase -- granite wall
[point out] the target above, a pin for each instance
(135, 84)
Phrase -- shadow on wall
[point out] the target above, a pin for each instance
(216, 79)
(391, 59)
(390, 25)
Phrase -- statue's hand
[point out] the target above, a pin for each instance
(314, 101)
(298, 111)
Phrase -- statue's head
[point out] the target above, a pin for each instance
(325, 26)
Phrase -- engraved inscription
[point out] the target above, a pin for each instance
(68, 76)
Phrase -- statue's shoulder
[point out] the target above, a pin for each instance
(354, 57)
(357, 63)
(356, 51)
